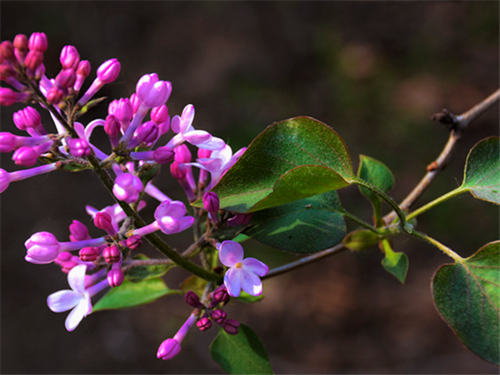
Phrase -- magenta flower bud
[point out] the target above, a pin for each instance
(115, 277)
(66, 78)
(8, 142)
(25, 156)
(111, 254)
(151, 91)
(231, 326)
(42, 247)
(159, 114)
(177, 173)
(122, 110)
(109, 70)
(168, 349)
(6, 72)
(79, 147)
(193, 300)
(147, 133)
(7, 52)
(211, 202)
(163, 155)
(240, 219)
(78, 231)
(8, 97)
(102, 220)
(88, 254)
(83, 69)
(128, 187)
(134, 242)
(219, 316)
(219, 295)
(182, 154)
(55, 95)
(63, 257)
(33, 60)
(5, 179)
(69, 57)
(135, 101)
(204, 324)
(203, 153)
(38, 42)
(68, 266)
(21, 47)
(112, 126)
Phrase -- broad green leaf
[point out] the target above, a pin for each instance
(139, 273)
(394, 262)
(467, 295)
(131, 294)
(377, 174)
(361, 239)
(248, 298)
(306, 226)
(482, 170)
(242, 353)
(289, 161)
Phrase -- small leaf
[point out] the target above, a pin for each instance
(194, 284)
(148, 172)
(482, 170)
(248, 298)
(242, 353)
(289, 161)
(131, 294)
(467, 295)
(395, 263)
(139, 273)
(306, 226)
(361, 239)
(375, 173)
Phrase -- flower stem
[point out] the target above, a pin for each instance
(435, 202)
(439, 245)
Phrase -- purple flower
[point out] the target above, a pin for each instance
(127, 187)
(170, 219)
(171, 347)
(242, 273)
(77, 299)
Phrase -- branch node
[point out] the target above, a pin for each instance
(447, 118)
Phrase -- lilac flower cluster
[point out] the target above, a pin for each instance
(95, 264)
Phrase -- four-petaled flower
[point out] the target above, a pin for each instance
(242, 273)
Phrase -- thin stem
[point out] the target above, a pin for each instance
(361, 222)
(306, 260)
(437, 244)
(435, 202)
(459, 124)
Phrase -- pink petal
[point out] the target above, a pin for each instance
(230, 253)
(187, 118)
(176, 209)
(214, 144)
(186, 222)
(175, 124)
(250, 282)
(63, 300)
(196, 137)
(232, 281)
(255, 266)
(76, 278)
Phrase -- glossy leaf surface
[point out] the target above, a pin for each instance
(131, 294)
(377, 174)
(289, 161)
(242, 353)
(306, 226)
(467, 295)
(395, 263)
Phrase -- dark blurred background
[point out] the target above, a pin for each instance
(374, 71)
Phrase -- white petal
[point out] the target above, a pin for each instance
(230, 253)
(76, 315)
(76, 278)
(255, 266)
(232, 281)
(214, 144)
(195, 137)
(63, 300)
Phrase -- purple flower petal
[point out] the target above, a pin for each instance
(250, 282)
(230, 253)
(232, 281)
(63, 300)
(255, 266)
(195, 137)
(76, 278)
(76, 315)
(214, 144)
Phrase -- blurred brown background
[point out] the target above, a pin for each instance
(374, 71)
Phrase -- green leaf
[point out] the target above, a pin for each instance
(394, 262)
(306, 226)
(361, 239)
(482, 170)
(242, 353)
(248, 298)
(195, 284)
(467, 295)
(131, 294)
(148, 172)
(289, 161)
(139, 273)
(375, 173)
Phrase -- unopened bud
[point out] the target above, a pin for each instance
(193, 300)
(204, 324)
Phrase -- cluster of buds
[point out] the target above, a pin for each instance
(94, 264)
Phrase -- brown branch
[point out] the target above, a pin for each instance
(458, 124)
